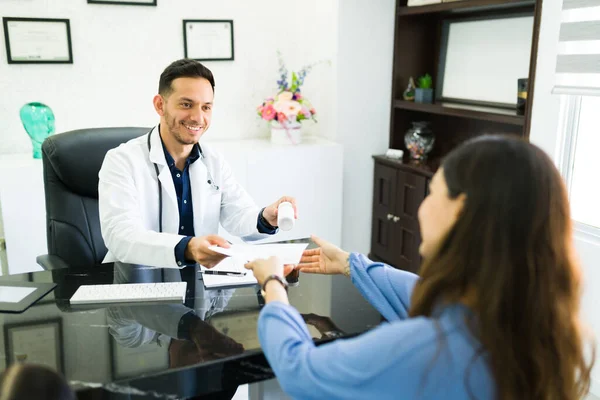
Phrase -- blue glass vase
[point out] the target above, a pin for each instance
(38, 121)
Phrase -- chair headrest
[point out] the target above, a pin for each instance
(76, 156)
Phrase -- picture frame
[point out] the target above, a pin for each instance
(129, 362)
(488, 78)
(151, 3)
(30, 342)
(37, 40)
(208, 40)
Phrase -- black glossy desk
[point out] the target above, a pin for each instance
(120, 353)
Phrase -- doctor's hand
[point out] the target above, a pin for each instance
(197, 249)
(270, 212)
(326, 259)
(262, 268)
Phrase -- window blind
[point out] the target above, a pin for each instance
(578, 53)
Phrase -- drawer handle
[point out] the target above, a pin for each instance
(396, 219)
(390, 216)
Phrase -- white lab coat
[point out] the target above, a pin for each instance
(128, 202)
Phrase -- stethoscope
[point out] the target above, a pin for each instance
(210, 181)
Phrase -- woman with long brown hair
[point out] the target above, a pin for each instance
(493, 314)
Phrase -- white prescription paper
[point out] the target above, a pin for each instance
(289, 253)
(240, 254)
(14, 294)
(229, 264)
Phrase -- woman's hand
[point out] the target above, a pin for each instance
(262, 268)
(326, 259)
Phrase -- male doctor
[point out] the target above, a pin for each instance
(162, 195)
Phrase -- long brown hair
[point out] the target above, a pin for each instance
(33, 381)
(512, 250)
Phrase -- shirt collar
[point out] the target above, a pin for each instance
(194, 154)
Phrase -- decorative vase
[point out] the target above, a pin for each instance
(419, 140)
(286, 133)
(409, 92)
(423, 95)
(38, 121)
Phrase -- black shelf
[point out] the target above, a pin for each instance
(464, 6)
(501, 115)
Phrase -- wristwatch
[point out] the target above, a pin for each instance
(273, 278)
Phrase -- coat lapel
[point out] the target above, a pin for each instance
(198, 181)
(170, 207)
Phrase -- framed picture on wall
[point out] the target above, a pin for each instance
(37, 41)
(208, 40)
(125, 2)
(39, 342)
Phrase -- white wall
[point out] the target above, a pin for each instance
(364, 93)
(119, 52)
(366, 37)
(544, 133)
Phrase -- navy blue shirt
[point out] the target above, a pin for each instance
(183, 189)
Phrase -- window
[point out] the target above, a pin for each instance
(583, 163)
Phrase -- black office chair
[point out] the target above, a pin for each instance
(71, 163)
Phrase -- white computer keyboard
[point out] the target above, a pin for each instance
(162, 292)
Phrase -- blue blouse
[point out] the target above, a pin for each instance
(405, 358)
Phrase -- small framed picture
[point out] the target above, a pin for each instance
(208, 40)
(37, 41)
(125, 2)
(39, 342)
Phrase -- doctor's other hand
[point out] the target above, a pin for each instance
(197, 250)
(326, 259)
(263, 268)
(270, 212)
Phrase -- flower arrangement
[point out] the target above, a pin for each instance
(288, 106)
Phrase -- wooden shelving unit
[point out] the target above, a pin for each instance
(401, 185)
(501, 115)
(464, 6)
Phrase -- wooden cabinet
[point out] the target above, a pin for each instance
(420, 38)
(397, 195)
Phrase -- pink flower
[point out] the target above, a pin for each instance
(313, 111)
(268, 112)
(281, 117)
(297, 96)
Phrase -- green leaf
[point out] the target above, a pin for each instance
(295, 82)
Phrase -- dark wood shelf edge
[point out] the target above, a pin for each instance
(463, 6)
(427, 170)
(518, 120)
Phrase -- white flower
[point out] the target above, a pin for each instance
(285, 96)
(289, 107)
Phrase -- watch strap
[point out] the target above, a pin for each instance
(274, 278)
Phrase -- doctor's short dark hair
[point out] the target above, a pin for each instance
(184, 68)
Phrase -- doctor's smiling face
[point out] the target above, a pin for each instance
(185, 101)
